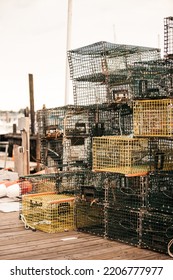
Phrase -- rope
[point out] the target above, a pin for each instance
(27, 226)
(169, 247)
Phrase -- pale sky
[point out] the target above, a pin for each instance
(33, 40)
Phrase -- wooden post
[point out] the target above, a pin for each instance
(32, 112)
(22, 153)
(38, 152)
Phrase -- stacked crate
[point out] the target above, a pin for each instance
(49, 203)
(101, 72)
(152, 119)
(112, 149)
(65, 137)
(102, 76)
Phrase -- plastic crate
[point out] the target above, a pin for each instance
(48, 212)
(153, 118)
(120, 154)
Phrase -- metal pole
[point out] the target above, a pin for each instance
(68, 45)
(31, 93)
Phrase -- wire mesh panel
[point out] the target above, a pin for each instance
(88, 93)
(157, 232)
(112, 119)
(120, 154)
(123, 225)
(168, 37)
(153, 118)
(161, 154)
(97, 61)
(160, 194)
(38, 183)
(51, 152)
(153, 79)
(48, 212)
(70, 183)
(76, 153)
(90, 217)
(67, 120)
(127, 192)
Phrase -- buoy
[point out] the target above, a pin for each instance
(4, 185)
(3, 189)
(13, 190)
(25, 187)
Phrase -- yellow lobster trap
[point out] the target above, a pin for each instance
(48, 212)
(153, 117)
(120, 154)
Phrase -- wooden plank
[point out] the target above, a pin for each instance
(17, 243)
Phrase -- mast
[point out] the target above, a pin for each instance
(68, 45)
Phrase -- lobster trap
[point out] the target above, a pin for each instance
(161, 154)
(69, 121)
(153, 79)
(48, 212)
(157, 232)
(88, 93)
(51, 152)
(153, 118)
(102, 61)
(123, 225)
(77, 153)
(120, 154)
(112, 119)
(90, 217)
(160, 194)
(38, 183)
(127, 192)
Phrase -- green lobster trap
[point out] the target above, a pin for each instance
(48, 212)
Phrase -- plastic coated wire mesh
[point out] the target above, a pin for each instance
(88, 93)
(112, 119)
(123, 225)
(161, 154)
(157, 231)
(90, 217)
(66, 120)
(160, 194)
(153, 79)
(77, 153)
(120, 154)
(49, 212)
(127, 192)
(153, 118)
(51, 152)
(38, 183)
(97, 61)
(168, 37)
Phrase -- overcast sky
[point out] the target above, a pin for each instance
(33, 40)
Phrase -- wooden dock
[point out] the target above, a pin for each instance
(17, 243)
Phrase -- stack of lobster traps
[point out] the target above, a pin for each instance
(112, 151)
